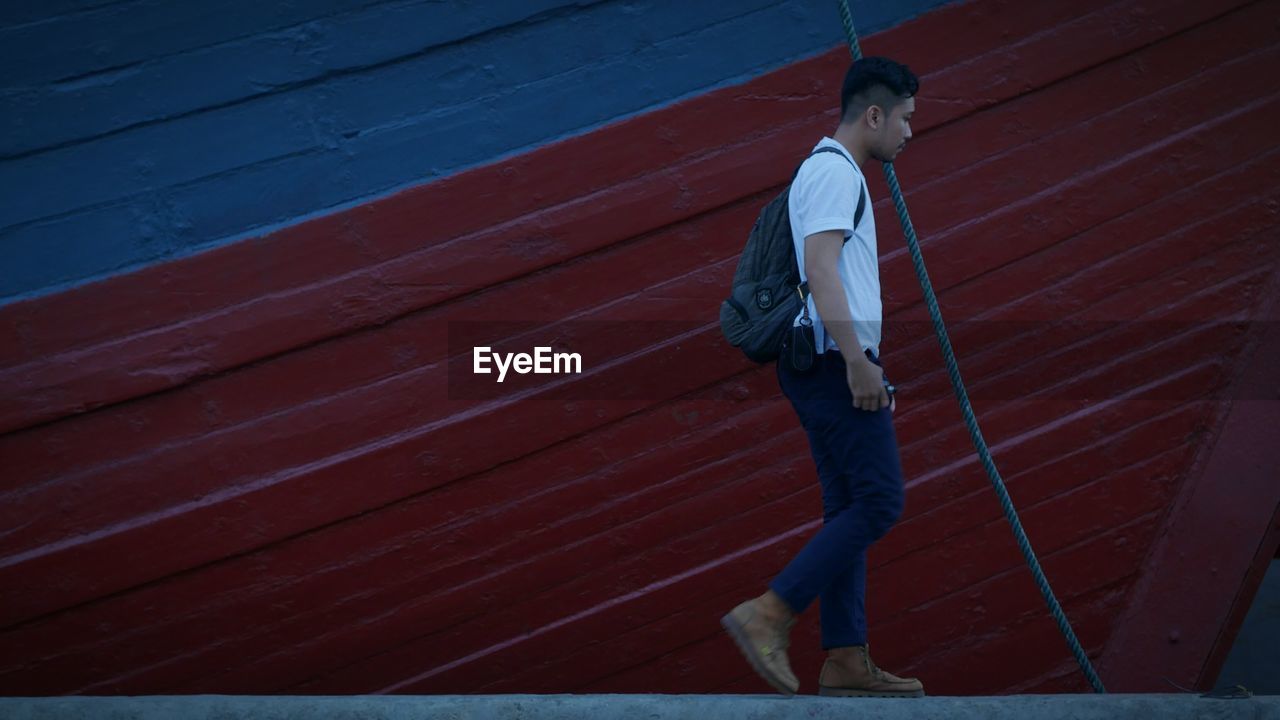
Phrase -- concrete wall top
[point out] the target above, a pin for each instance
(648, 707)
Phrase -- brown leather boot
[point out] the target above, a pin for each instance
(858, 676)
(764, 646)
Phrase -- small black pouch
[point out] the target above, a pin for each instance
(800, 351)
(799, 348)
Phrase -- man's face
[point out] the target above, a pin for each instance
(894, 132)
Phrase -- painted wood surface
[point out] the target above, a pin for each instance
(271, 482)
(133, 131)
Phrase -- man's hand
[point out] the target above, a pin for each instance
(866, 383)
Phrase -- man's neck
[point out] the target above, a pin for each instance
(848, 137)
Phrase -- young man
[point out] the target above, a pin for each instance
(842, 401)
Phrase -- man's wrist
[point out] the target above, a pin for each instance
(858, 359)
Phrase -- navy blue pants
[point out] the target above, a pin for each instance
(856, 453)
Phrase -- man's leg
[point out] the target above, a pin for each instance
(849, 669)
(761, 626)
(857, 457)
(859, 464)
(843, 601)
(859, 512)
(843, 607)
(842, 604)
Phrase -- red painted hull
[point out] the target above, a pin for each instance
(245, 471)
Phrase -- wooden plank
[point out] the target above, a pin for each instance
(159, 601)
(601, 656)
(330, 654)
(717, 663)
(1039, 366)
(44, 459)
(952, 301)
(1078, 533)
(1006, 190)
(1231, 496)
(408, 553)
(391, 477)
(142, 431)
(184, 358)
(1233, 266)
(938, 419)
(1077, 97)
(12, 567)
(282, 601)
(407, 346)
(995, 662)
(282, 335)
(507, 189)
(1057, 469)
(966, 475)
(252, 55)
(440, 612)
(141, 33)
(1108, 499)
(255, 431)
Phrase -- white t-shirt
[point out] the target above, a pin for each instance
(824, 196)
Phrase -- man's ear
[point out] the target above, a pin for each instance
(874, 116)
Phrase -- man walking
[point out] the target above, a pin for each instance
(842, 402)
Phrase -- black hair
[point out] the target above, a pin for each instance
(876, 81)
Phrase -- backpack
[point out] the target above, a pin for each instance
(767, 294)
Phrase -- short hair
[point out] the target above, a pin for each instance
(876, 81)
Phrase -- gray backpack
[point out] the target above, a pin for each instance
(767, 293)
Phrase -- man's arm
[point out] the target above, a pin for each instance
(821, 258)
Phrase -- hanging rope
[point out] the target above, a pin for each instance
(953, 371)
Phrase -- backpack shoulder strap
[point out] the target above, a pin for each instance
(803, 287)
(829, 150)
(862, 187)
(862, 205)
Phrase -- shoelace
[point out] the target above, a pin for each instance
(872, 668)
(781, 640)
(784, 641)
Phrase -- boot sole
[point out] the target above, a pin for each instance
(849, 692)
(739, 635)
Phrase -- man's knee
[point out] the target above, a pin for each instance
(885, 509)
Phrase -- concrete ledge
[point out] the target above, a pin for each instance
(632, 707)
